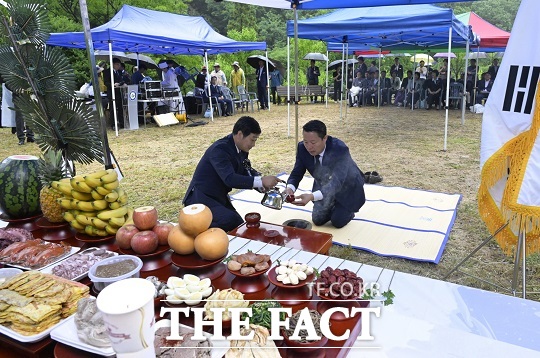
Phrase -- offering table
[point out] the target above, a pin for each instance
(287, 236)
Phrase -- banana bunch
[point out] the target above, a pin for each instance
(95, 203)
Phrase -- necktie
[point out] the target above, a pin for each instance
(317, 161)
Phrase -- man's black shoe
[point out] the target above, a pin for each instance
(21, 142)
(30, 140)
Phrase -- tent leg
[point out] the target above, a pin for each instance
(113, 90)
(464, 100)
(447, 88)
(520, 256)
(288, 86)
(296, 137)
(267, 81)
(456, 268)
(326, 95)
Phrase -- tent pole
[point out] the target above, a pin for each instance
(464, 99)
(288, 86)
(113, 90)
(267, 80)
(447, 87)
(347, 76)
(379, 81)
(95, 84)
(413, 77)
(343, 72)
(296, 137)
(476, 72)
(208, 80)
(326, 76)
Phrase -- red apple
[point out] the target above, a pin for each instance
(124, 235)
(144, 242)
(145, 217)
(162, 230)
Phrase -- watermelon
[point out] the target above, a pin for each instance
(19, 186)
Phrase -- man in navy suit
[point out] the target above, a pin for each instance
(484, 87)
(225, 166)
(262, 84)
(338, 190)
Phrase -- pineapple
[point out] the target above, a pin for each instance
(51, 168)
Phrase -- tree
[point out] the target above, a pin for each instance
(500, 13)
(43, 83)
(243, 17)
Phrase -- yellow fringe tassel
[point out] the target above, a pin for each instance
(510, 163)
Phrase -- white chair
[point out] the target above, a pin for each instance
(248, 98)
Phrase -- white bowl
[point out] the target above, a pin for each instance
(101, 282)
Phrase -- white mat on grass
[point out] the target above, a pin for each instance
(395, 221)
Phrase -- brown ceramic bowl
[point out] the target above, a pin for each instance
(301, 346)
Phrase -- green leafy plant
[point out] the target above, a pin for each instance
(43, 83)
(371, 295)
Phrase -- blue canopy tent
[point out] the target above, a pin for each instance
(409, 26)
(134, 29)
(335, 4)
(139, 30)
(399, 27)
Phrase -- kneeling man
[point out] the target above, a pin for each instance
(338, 190)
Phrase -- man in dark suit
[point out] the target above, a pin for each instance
(312, 76)
(398, 67)
(338, 190)
(433, 88)
(484, 87)
(493, 69)
(201, 79)
(116, 82)
(225, 166)
(219, 98)
(262, 84)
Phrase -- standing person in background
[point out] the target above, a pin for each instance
(201, 80)
(312, 76)
(443, 72)
(337, 83)
(115, 83)
(362, 67)
(373, 68)
(398, 67)
(238, 78)
(220, 75)
(126, 78)
(139, 75)
(262, 84)
(423, 71)
(223, 167)
(338, 188)
(275, 80)
(493, 69)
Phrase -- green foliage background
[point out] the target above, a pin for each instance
(241, 22)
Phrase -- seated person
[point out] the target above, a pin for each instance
(217, 96)
(386, 86)
(434, 88)
(338, 187)
(356, 92)
(413, 90)
(370, 94)
(400, 95)
(395, 85)
(484, 87)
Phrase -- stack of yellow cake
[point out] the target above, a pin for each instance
(32, 301)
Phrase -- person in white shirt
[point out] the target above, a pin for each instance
(220, 75)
